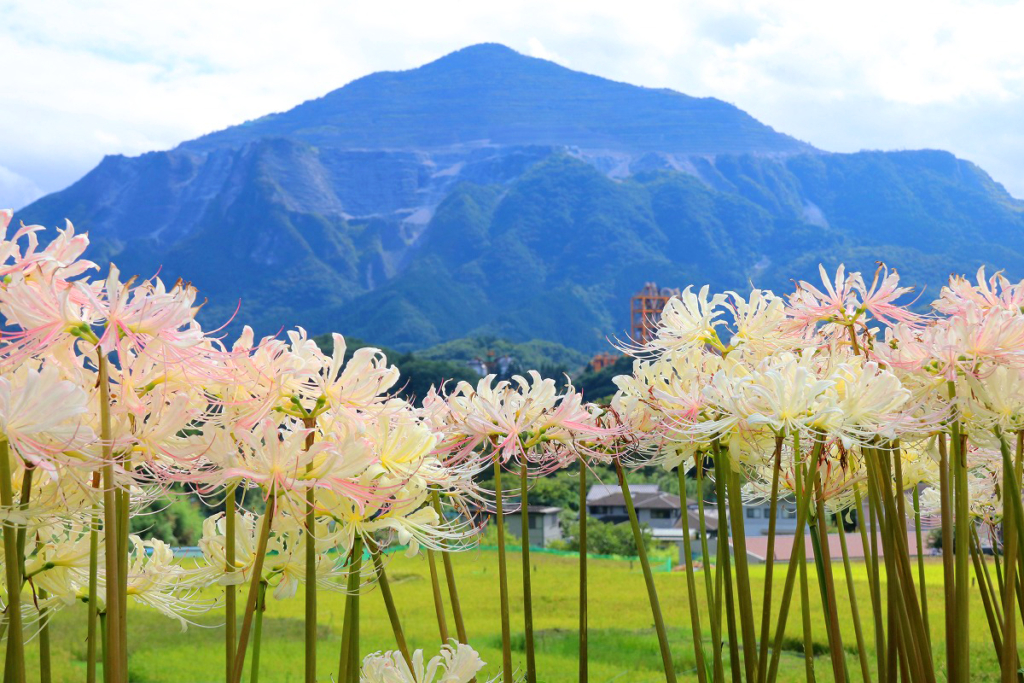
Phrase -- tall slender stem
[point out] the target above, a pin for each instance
(257, 634)
(123, 547)
(739, 536)
(435, 589)
(230, 593)
(389, 603)
(805, 596)
(348, 634)
(769, 569)
(652, 592)
(691, 583)
(311, 557)
(45, 673)
(1013, 495)
(961, 522)
(862, 651)
(257, 577)
(805, 613)
(506, 629)
(584, 670)
(15, 637)
(948, 577)
(524, 523)
(718, 665)
(920, 563)
(449, 578)
(93, 612)
(112, 660)
(874, 587)
(803, 505)
(26, 494)
(725, 577)
(903, 602)
(1009, 662)
(987, 599)
(823, 564)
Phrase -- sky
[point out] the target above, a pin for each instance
(80, 80)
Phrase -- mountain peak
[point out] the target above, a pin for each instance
(489, 93)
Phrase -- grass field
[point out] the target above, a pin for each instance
(623, 646)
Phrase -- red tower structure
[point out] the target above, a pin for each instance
(645, 311)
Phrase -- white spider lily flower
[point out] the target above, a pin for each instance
(42, 415)
(689, 320)
(58, 560)
(457, 663)
(155, 579)
(994, 292)
(871, 403)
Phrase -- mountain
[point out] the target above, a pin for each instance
(489, 193)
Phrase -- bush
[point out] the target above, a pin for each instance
(604, 538)
(175, 519)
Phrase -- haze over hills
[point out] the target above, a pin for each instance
(489, 192)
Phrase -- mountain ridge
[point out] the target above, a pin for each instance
(528, 237)
(495, 95)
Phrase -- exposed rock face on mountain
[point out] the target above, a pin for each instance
(493, 192)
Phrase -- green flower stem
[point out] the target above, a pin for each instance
(862, 652)
(948, 577)
(257, 634)
(103, 639)
(449, 578)
(803, 505)
(961, 534)
(257, 577)
(1011, 492)
(874, 584)
(805, 596)
(826, 584)
(26, 494)
(652, 592)
(718, 665)
(746, 600)
(506, 631)
(230, 592)
(112, 660)
(920, 564)
(903, 596)
(524, 523)
(435, 588)
(987, 600)
(45, 673)
(769, 569)
(123, 547)
(898, 629)
(345, 661)
(691, 583)
(93, 612)
(1009, 658)
(805, 610)
(584, 672)
(724, 563)
(895, 655)
(389, 602)
(15, 661)
(311, 587)
(353, 651)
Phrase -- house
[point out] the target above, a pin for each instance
(544, 525)
(654, 507)
(757, 517)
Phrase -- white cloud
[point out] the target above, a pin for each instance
(127, 77)
(16, 191)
